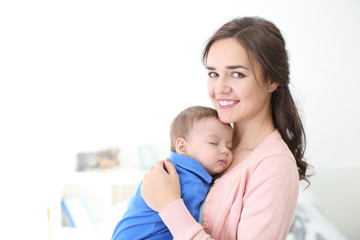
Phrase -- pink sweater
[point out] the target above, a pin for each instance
(255, 200)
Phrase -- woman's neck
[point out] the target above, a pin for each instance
(249, 136)
(246, 139)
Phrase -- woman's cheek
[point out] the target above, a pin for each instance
(211, 91)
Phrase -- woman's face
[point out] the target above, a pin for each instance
(238, 91)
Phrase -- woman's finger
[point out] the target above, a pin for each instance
(159, 165)
(151, 168)
(170, 167)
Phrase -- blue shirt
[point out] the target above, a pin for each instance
(140, 222)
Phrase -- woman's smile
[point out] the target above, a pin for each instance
(226, 103)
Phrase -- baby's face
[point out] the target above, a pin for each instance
(210, 143)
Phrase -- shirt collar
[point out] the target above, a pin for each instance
(191, 165)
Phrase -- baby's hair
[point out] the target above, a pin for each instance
(185, 120)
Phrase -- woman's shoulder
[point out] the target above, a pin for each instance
(270, 159)
(273, 146)
(272, 151)
(273, 154)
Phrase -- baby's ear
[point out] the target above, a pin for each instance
(181, 144)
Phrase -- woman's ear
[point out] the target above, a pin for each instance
(272, 86)
(181, 144)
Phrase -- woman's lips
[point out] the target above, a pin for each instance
(224, 103)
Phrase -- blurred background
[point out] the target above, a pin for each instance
(88, 77)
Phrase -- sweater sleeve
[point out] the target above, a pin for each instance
(270, 200)
(180, 222)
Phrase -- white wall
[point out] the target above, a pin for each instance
(83, 75)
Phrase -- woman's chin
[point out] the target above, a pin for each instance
(225, 119)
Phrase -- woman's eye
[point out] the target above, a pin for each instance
(212, 143)
(213, 74)
(238, 75)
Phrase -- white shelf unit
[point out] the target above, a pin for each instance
(102, 191)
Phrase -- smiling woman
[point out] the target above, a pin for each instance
(88, 75)
(235, 81)
(255, 197)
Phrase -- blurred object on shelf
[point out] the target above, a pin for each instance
(48, 218)
(76, 212)
(147, 156)
(99, 160)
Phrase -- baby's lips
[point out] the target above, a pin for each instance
(223, 161)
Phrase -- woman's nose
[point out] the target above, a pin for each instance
(222, 86)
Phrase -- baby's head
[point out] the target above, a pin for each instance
(198, 133)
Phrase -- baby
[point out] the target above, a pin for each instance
(200, 147)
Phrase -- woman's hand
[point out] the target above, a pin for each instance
(160, 188)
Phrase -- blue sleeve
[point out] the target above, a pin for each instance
(193, 193)
(140, 222)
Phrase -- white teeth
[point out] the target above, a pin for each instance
(227, 103)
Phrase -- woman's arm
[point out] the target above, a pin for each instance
(181, 224)
(161, 191)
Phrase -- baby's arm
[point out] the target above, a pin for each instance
(193, 193)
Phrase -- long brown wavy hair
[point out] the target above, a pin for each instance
(264, 43)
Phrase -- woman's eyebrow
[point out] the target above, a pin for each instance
(236, 66)
(228, 67)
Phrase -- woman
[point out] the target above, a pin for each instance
(255, 198)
